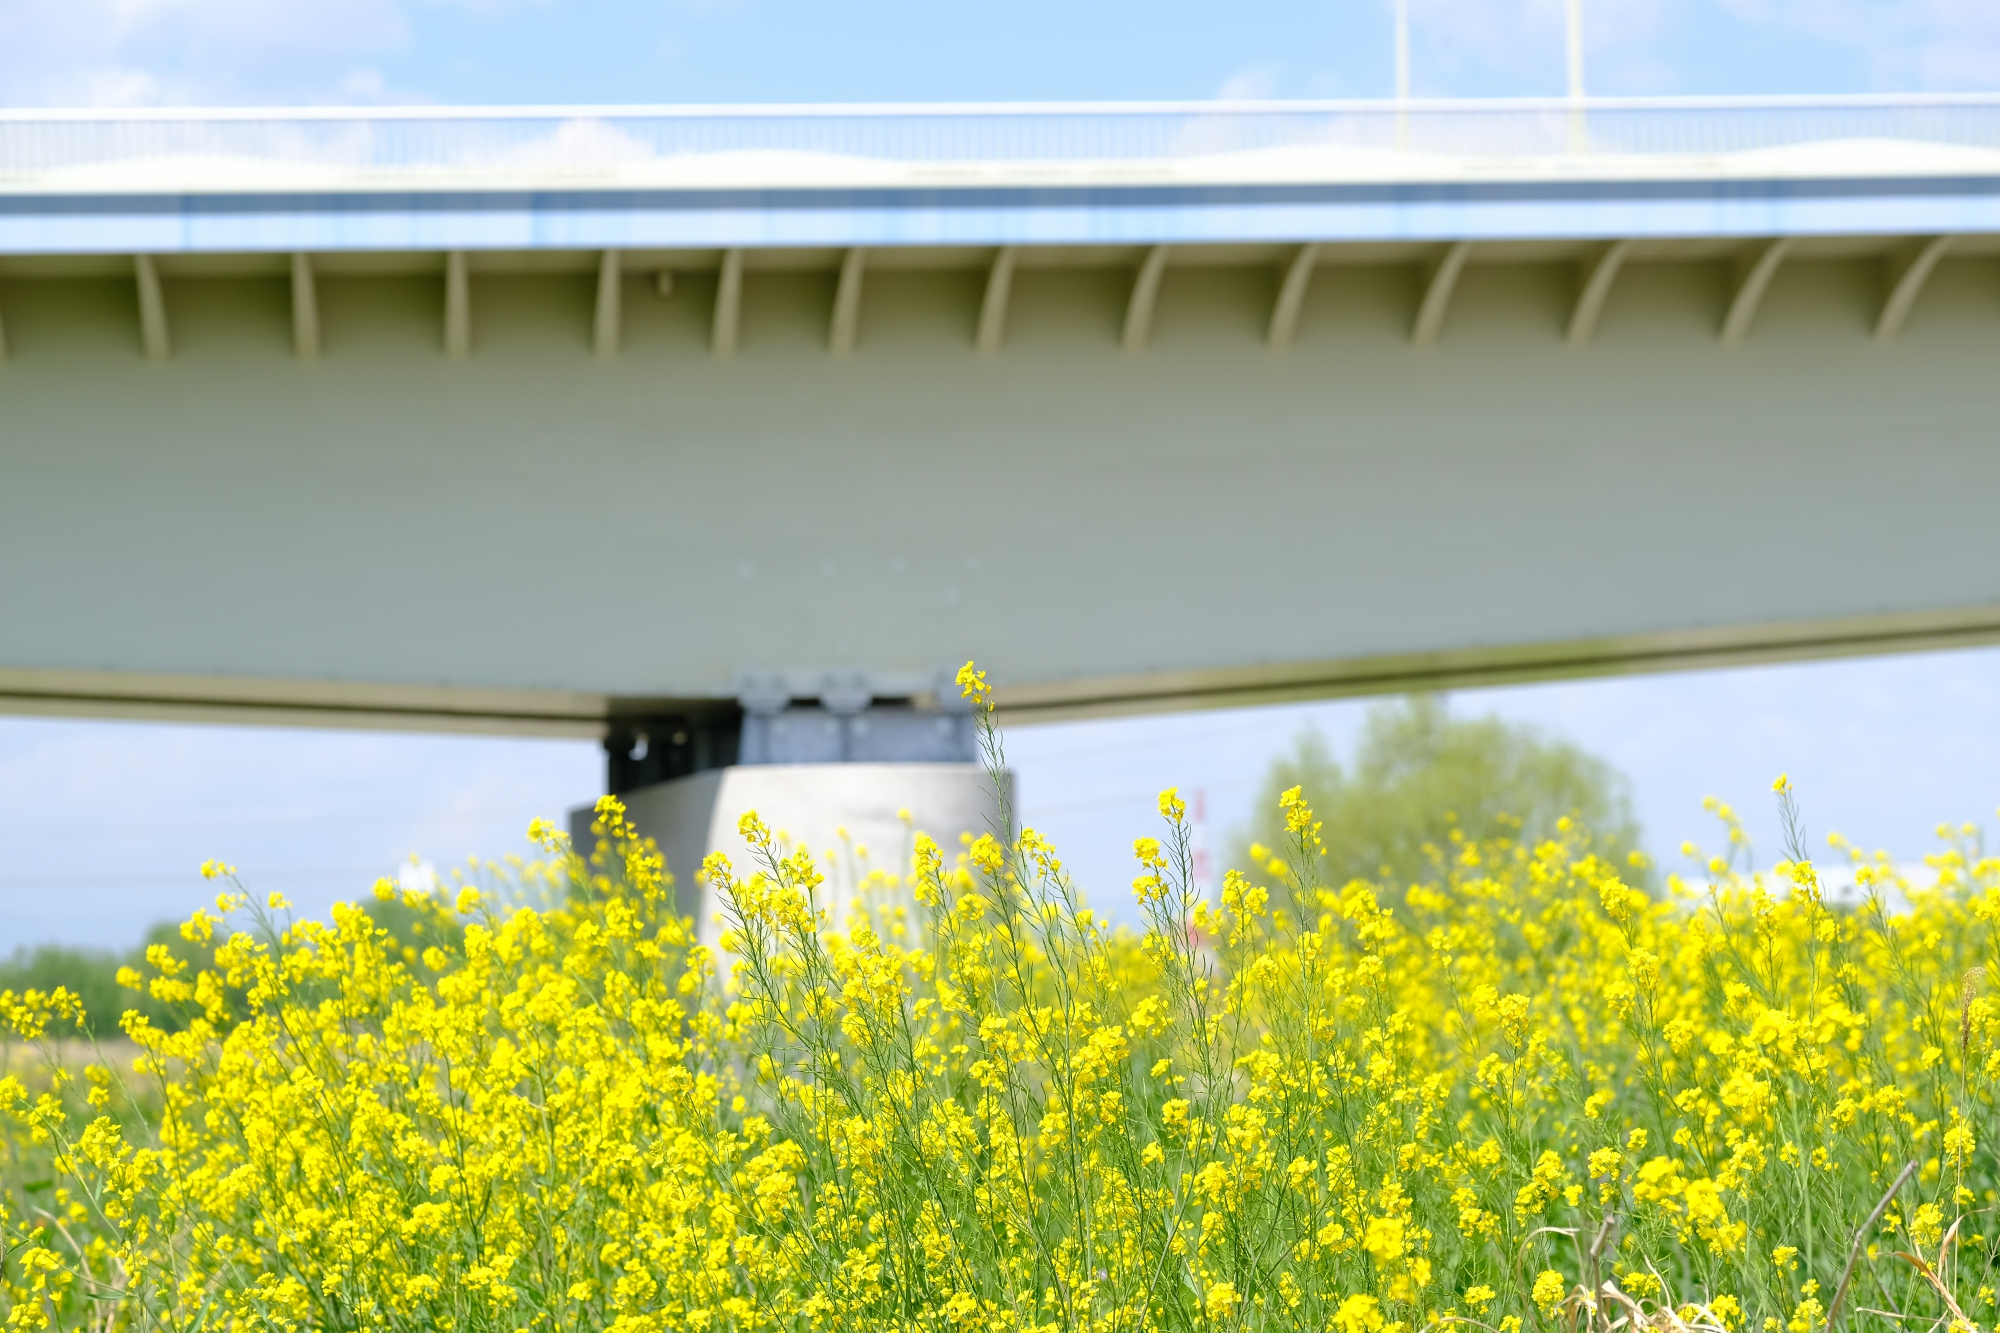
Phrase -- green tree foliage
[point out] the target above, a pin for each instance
(93, 975)
(1419, 773)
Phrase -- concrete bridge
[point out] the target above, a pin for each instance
(728, 430)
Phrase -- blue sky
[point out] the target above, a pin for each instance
(103, 823)
(56, 52)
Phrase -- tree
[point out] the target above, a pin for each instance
(1419, 772)
(92, 974)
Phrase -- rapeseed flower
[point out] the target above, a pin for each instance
(540, 1103)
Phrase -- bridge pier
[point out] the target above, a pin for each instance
(849, 775)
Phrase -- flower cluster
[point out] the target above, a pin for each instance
(1520, 1095)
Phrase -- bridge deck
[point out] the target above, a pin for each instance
(588, 178)
(406, 439)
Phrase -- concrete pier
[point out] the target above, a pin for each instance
(866, 816)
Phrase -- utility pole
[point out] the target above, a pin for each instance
(1577, 137)
(1403, 73)
(1576, 50)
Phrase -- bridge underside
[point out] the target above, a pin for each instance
(554, 493)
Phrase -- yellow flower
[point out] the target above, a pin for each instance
(1958, 1141)
(987, 854)
(973, 687)
(1358, 1314)
(1927, 1225)
(1298, 815)
(1384, 1239)
(945, 1094)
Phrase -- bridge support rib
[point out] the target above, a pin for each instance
(457, 306)
(153, 339)
(305, 309)
(1750, 291)
(1437, 295)
(728, 304)
(1292, 296)
(847, 302)
(1145, 294)
(604, 324)
(1909, 284)
(993, 306)
(1596, 290)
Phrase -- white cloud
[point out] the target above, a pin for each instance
(1249, 85)
(148, 52)
(1957, 46)
(364, 83)
(1907, 43)
(1901, 44)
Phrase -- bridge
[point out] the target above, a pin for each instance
(728, 430)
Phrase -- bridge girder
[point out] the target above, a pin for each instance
(479, 507)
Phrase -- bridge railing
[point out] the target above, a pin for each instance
(422, 148)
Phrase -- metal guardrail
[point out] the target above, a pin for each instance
(419, 147)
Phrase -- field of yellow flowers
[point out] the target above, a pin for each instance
(1520, 1096)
